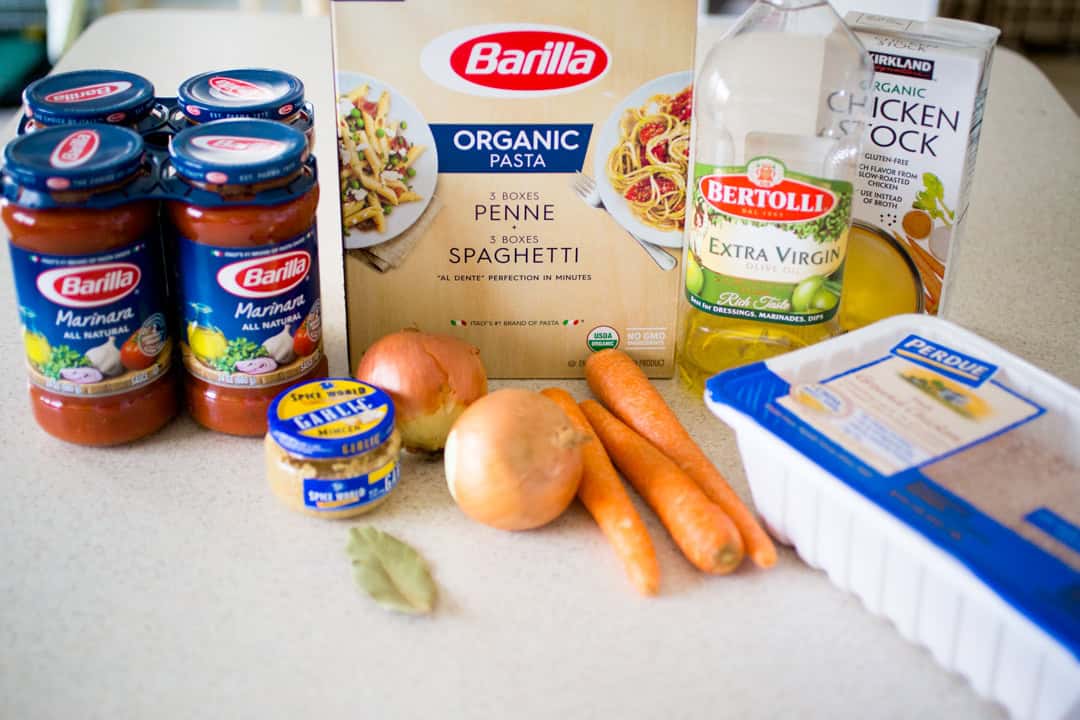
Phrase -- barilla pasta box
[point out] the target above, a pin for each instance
(514, 174)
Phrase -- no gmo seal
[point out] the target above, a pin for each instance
(603, 337)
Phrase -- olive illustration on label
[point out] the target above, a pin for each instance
(815, 294)
(711, 287)
(695, 277)
(802, 296)
(824, 300)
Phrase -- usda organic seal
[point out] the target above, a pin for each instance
(603, 337)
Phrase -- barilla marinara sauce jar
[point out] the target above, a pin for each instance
(89, 282)
(253, 93)
(247, 268)
(110, 97)
(332, 448)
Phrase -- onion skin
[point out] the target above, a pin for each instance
(430, 378)
(513, 460)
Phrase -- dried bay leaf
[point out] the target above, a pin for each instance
(390, 571)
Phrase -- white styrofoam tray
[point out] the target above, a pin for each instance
(933, 599)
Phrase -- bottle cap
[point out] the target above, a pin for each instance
(240, 93)
(73, 158)
(238, 152)
(112, 97)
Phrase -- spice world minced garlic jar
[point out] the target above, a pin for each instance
(332, 448)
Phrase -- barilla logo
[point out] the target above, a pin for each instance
(90, 285)
(86, 93)
(227, 88)
(529, 60)
(764, 193)
(238, 148)
(903, 65)
(515, 60)
(948, 362)
(265, 277)
(75, 149)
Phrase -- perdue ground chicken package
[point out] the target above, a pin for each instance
(514, 174)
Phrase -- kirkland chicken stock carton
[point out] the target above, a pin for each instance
(514, 174)
(914, 181)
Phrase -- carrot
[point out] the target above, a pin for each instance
(931, 279)
(619, 383)
(930, 305)
(605, 497)
(932, 284)
(706, 536)
(927, 258)
(931, 271)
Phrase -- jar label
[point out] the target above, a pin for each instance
(252, 315)
(766, 243)
(93, 324)
(332, 495)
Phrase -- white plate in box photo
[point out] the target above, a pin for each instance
(402, 125)
(615, 133)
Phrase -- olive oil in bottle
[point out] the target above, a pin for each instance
(779, 115)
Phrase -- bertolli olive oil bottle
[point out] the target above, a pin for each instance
(779, 115)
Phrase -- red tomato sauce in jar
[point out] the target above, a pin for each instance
(89, 281)
(247, 269)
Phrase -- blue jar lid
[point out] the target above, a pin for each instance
(240, 93)
(238, 152)
(73, 158)
(89, 96)
(331, 418)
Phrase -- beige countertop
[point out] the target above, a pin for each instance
(163, 580)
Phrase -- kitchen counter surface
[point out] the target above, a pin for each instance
(163, 580)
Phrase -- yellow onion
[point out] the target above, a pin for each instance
(431, 379)
(513, 460)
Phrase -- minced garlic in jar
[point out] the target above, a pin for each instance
(332, 449)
